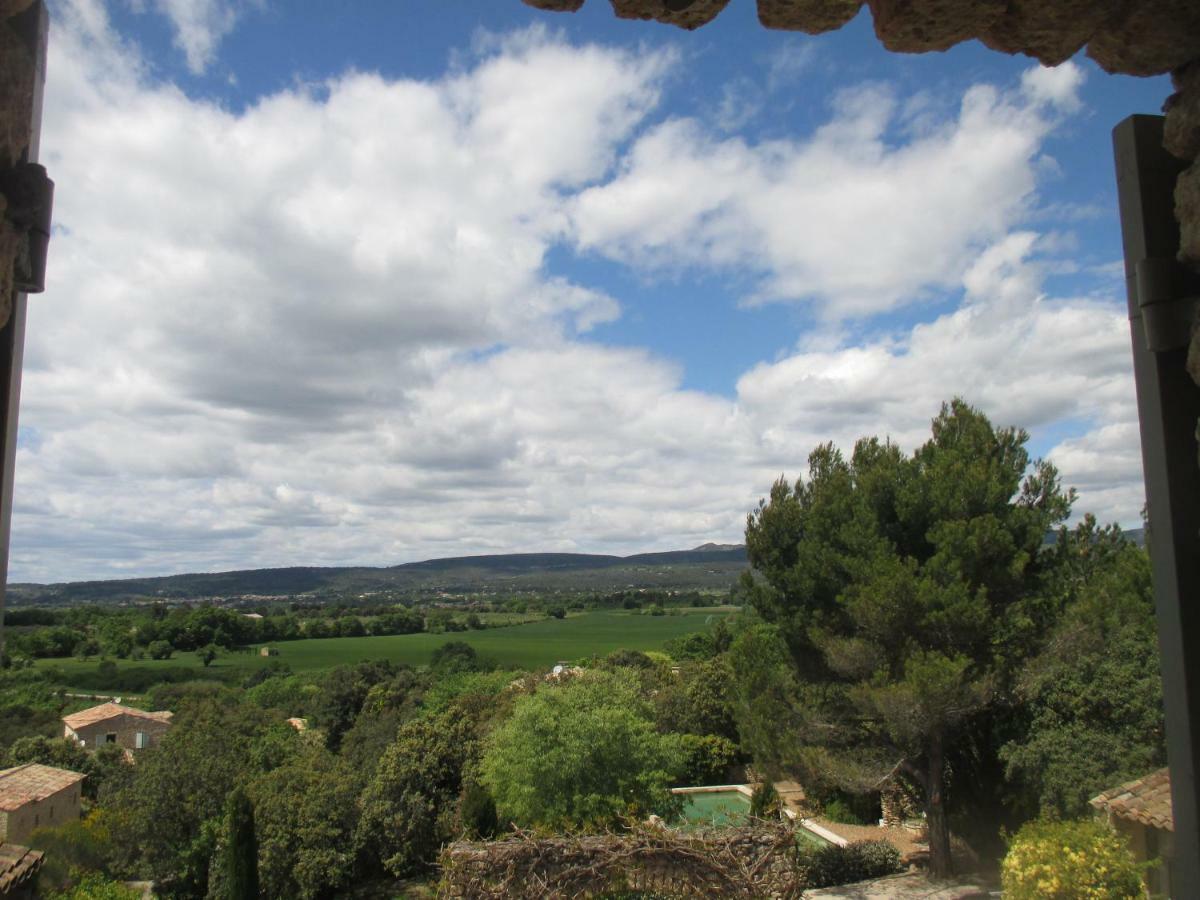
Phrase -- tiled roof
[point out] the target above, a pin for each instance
(17, 865)
(31, 782)
(104, 711)
(1146, 800)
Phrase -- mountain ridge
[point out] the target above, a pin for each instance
(508, 571)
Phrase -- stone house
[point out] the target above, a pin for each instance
(1140, 810)
(111, 723)
(33, 796)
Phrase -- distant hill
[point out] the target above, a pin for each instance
(708, 567)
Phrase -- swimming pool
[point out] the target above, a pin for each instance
(714, 809)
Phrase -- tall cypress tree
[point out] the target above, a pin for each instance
(241, 848)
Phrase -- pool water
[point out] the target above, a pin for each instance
(715, 808)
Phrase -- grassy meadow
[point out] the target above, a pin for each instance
(529, 646)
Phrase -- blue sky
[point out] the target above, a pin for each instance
(450, 277)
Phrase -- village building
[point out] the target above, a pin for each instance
(33, 796)
(111, 723)
(1140, 810)
(19, 867)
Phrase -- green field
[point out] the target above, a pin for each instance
(536, 645)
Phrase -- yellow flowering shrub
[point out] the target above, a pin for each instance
(1070, 861)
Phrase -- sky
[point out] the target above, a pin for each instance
(339, 284)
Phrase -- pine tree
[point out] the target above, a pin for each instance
(908, 592)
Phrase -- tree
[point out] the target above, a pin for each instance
(1092, 698)
(907, 590)
(305, 816)
(207, 654)
(454, 656)
(168, 815)
(699, 702)
(408, 808)
(241, 848)
(584, 753)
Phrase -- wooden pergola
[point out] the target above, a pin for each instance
(1158, 175)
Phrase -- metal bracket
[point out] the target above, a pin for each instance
(30, 203)
(1169, 298)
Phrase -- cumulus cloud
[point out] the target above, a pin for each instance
(847, 219)
(324, 330)
(1022, 357)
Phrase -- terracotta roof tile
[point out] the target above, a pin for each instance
(31, 782)
(1146, 800)
(17, 865)
(105, 711)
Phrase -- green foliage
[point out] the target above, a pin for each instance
(341, 696)
(407, 809)
(64, 753)
(207, 654)
(766, 697)
(94, 886)
(477, 816)
(81, 846)
(627, 659)
(1094, 694)
(168, 814)
(837, 809)
(305, 816)
(159, 649)
(28, 705)
(583, 753)
(764, 802)
(703, 759)
(907, 590)
(455, 656)
(240, 856)
(699, 701)
(1050, 860)
(832, 865)
(698, 645)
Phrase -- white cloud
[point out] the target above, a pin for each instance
(200, 25)
(323, 330)
(1057, 87)
(1023, 358)
(847, 219)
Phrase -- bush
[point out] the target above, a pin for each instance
(705, 759)
(96, 887)
(831, 864)
(764, 802)
(838, 809)
(1048, 860)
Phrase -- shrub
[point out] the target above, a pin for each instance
(96, 887)
(838, 809)
(704, 759)
(1048, 860)
(764, 802)
(831, 864)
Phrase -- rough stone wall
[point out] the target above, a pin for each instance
(1129, 37)
(125, 727)
(60, 807)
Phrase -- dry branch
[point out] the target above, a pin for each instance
(748, 862)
